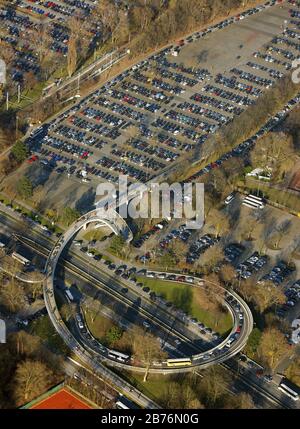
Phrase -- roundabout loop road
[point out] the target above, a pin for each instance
(217, 354)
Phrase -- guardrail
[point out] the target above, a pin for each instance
(72, 342)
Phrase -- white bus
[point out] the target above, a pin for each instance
(286, 387)
(69, 295)
(20, 259)
(121, 357)
(125, 404)
(121, 406)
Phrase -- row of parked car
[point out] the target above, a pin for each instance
(204, 111)
(155, 229)
(99, 129)
(124, 168)
(72, 149)
(139, 76)
(139, 159)
(233, 252)
(145, 92)
(242, 149)
(252, 265)
(270, 71)
(208, 101)
(252, 78)
(129, 96)
(18, 23)
(120, 109)
(156, 151)
(129, 274)
(279, 273)
(292, 294)
(62, 9)
(233, 83)
(200, 246)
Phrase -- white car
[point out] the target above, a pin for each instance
(146, 324)
(151, 275)
(229, 199)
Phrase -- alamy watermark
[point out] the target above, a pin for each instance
(152, 201)
(2, 72)
(2, 332)
(296, 72)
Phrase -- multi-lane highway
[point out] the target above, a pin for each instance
(266, 394)
(228, 348)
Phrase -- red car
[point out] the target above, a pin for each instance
(33, 158)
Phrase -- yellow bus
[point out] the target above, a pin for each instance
(179, 362)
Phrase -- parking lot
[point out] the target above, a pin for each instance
(22, 24)
(144, 121)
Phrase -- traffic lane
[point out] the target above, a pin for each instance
(200, 343)
(249, 380)
(46, 241)
(114, 286)
(128, 314)
(183, 350)
(131, 315)
(80, 373)
(170, 342)
(74, 344)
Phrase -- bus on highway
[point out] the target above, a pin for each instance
(179, 362)
(121, 406)
(121, 357)
(69, 295)
(125, 404)
(20, 259)
(289, 389)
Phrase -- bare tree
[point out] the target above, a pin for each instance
(72, 55)
(220, 222)
(266, 295)
(107, 12)
(68, 311)
(40, 39)
(146, 348)
(273, 347)
(31, 379)
(215, 384)
(12, 296)
(227, 274)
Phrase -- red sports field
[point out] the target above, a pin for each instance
(63, 399)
